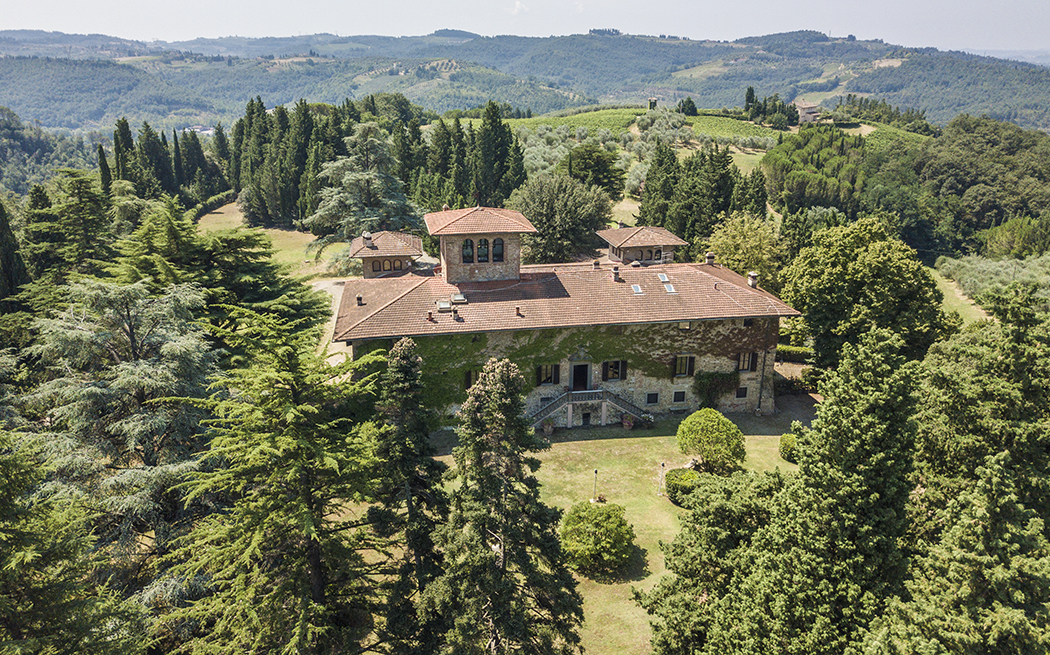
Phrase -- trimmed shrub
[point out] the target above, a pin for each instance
(788, 448)
(715, 440)
(680, 483)
(597, 538)
(797, 354)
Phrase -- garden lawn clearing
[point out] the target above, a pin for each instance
(289, 246)
(629, 473)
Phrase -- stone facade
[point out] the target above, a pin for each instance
(455, 271)
(650, 352)
(379, 266)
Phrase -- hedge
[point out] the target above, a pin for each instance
(680, 483)
(797, 354)
(788, 450)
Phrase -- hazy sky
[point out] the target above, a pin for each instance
(944, 24)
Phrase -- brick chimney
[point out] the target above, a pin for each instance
(752, 280)
(616, 274)
(709, 259)
(367, 236)
(360, 300)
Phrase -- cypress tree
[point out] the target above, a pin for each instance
(105, 177)
(505, 583)
(13, 272)
(176, 158)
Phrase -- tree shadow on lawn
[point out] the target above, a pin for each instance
(446, 439)
(636, 569)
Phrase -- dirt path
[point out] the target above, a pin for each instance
(337, 352)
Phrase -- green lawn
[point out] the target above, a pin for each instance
(955, 300)
(629, 465)
(289, 246)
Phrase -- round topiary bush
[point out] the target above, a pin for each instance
(715, 440)
(680, 483)
(788, 448)
(597, 538)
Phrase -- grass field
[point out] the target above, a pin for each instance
(289, 246)
(722, 126)
(628, 464)
(614, 120)
(955, 300)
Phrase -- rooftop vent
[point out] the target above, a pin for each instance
(710, 259)
(444, 306)
(459, 299)
(360, 300)
(636, 264)
(663, 277)
(597, 264)
(637, 288)
(367, 236)
(752, 279)
(616, 274)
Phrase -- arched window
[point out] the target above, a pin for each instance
(497, 250)
(483, 250)
(659, 254)
(468, 251)
(376, 266)
(641, 255)
(386, 264)
(648, 254)
(397, 264)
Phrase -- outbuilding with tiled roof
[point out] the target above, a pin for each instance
(385, 253)
(643, 243)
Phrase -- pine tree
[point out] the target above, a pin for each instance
(47, 604)
(221, 146)
(124, 160)
(178, 173)
(832, 555)
(283, 565)
(505, 583)
(985, 588)
(412, 502)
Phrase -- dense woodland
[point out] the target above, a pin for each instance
(87, 82)
(177, 454)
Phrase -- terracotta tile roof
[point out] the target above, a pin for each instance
(388, 244)
(477, 220)
(549, 297)
(640, 237)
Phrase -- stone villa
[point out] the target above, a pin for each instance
(598, 340)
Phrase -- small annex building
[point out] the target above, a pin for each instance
(643, 243)
(596, 340)
(385, 252)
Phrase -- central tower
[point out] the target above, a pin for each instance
(479, 244)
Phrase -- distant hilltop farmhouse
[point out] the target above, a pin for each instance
(598, 339)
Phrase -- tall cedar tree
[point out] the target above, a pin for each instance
(505, 583)
(831, 556)
(857, 278)
(566, 214)
(984, 588)
(412, 502)
(107, 419)
(284, 564)
(46, 602)
(361, 192)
